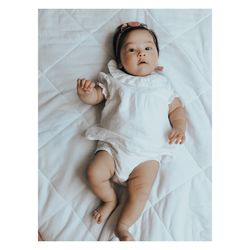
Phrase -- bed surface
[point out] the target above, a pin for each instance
(77, 44)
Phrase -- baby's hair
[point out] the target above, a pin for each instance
(121, 33)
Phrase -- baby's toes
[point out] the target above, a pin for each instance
(99, 221)
(96, 215)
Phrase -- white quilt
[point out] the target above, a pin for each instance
(77, 44)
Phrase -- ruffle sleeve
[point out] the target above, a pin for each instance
(104, 84)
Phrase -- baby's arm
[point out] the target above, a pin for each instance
(177, 118)
(89, 92)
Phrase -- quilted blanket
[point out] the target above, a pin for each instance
(77, 44)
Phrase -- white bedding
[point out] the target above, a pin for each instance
(77, 43)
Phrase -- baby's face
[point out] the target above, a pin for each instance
(139, 56)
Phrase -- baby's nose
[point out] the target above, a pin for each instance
(141, 53)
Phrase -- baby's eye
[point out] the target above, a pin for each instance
(131, 50)
(148, 48)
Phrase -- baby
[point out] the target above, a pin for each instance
(142, 116)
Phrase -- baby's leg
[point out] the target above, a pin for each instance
(100, 170)
(139, 186)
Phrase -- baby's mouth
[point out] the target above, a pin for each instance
(142, 62)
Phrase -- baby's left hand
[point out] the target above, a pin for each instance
(176, 135)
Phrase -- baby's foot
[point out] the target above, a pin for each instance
(124, 235)
(103, 212)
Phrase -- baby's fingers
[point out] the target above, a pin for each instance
(84, 85)
(172, 134)
(176, 136)
(81, 83)
(179, 139)
(182, 139)
(171, 137)
(89, 86)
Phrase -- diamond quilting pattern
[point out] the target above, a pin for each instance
(77, 43)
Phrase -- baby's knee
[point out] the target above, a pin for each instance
(94, 174)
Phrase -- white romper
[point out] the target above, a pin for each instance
(134, 123)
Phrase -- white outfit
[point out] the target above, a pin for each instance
(134, 123)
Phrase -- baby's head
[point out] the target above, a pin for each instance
(136, 49)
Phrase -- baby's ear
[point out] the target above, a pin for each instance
(159, 68)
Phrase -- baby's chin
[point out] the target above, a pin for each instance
(143, 71)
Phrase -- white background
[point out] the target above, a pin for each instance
(18, 133)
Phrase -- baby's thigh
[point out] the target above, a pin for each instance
(102, 167)
(142, 177)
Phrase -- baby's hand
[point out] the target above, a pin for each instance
(176, 135)
(85, 87)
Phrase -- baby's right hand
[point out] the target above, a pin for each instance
(85, 87)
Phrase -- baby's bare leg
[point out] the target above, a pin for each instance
(100, 170)
(139, 186)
